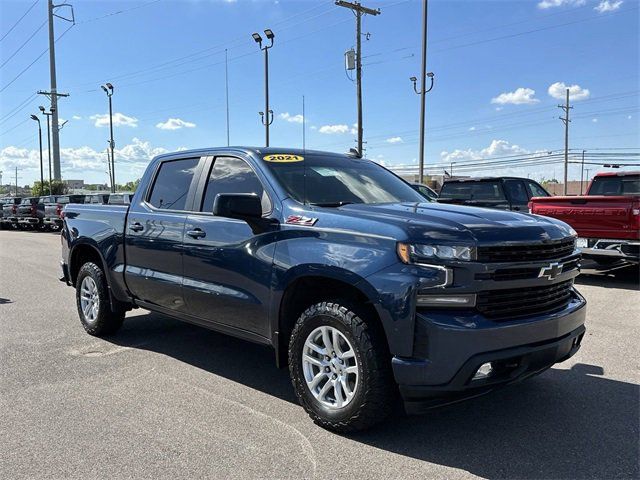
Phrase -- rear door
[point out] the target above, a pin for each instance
(154, 233)
(517, 194)
(228, 267)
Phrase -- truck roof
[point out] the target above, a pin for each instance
(258, 151)
(617, 174)
(483, 179)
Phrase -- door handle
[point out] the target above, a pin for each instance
(136, 227)
(197, 233)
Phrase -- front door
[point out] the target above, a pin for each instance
(154, 234)
(227, 267)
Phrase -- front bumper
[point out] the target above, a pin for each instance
(53, 221)
(614, 249)
(28, 220)
(452, 345)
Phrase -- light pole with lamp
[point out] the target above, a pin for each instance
(266, 116)
(108, 89)
(36, 119)
(48, 114)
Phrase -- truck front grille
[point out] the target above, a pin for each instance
(508, 274)
(523, 253)
(524, 302)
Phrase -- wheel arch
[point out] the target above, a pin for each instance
(312, 286)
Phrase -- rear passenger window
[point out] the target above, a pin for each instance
(172, 184)
(233, 175)
(516, 191)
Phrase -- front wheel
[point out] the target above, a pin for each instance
(340, 367)
(92, 298)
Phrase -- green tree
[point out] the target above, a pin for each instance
(40, 189)
(129, 186)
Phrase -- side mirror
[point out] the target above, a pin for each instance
(242, 206)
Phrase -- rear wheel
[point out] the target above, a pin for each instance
(92, 298)
(340, 367)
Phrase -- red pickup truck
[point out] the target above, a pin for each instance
(607, 218)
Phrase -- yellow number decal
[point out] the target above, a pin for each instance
(283, 158)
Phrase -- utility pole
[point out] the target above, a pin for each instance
(358, 11)
(226, 87)
(423, 90)
(16, 182)
(54, 89)
(267, 115)
(48, 114)
(566, 122)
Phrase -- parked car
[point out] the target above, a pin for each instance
(97, 199)
(505, 193)
(607, 218)
(120, 198)
(425, 191)
(9, 212)
(360, 286)
(30, 213)
(53, 208)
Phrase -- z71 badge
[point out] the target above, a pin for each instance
(301, 220)
(283, 158)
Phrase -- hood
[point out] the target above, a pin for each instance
(457, 223)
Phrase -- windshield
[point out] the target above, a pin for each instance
(334, 181)
(623, 185)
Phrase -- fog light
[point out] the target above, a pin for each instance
(483, 371)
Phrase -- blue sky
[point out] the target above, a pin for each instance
(498, 67)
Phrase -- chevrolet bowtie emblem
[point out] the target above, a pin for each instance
(552, 271)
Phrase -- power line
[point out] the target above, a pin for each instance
(19, 20)
(34, 61)
(24, 43)
(117, 12)
(17, 109)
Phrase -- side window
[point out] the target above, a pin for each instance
(172, 183)
(516, 191)
(233, 175)
(536, 190)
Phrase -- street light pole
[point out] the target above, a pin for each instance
(423, 91)
(35, 118)
(582, 172)
(48, 114)
(267, 115)
(108, 89)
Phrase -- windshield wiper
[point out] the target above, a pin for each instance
(330, 204)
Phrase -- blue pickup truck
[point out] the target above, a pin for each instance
(363, 288)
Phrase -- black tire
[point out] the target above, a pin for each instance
(106, 321)
(374, 396)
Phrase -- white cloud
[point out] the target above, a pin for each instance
(495, 149)
(77, 117)
(291, 118)
(521, 96)
(84, 161)
(394, 140)
(607, 6)
(628, 117)
(576, 92)
(594, 120)
(471, 129)
(175, 124)
(119, 120)
(332, 129)
(544, 4)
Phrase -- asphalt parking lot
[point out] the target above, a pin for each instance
(163, 399)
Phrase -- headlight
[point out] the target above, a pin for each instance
(418, 253)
